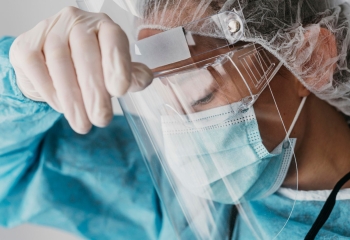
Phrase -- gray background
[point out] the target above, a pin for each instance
(19, 16)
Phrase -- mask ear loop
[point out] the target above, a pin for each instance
(296, 118)
(287, 142)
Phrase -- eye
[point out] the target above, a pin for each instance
(207, 99)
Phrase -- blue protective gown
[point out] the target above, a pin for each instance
(97, 185)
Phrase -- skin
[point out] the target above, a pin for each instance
(323, 136)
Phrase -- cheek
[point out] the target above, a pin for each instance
(275, 109)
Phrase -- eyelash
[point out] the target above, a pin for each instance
(207, 99)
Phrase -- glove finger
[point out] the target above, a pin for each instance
(27, 87)
(86, 56)
(32, 73)
(116, 60)
(141, 77)
(61, 69)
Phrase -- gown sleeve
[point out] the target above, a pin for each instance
(23, 124)
(96, 185)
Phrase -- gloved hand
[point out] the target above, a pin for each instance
(75, 61)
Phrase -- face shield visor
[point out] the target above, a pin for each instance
(212, 126)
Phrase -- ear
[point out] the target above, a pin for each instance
(301, 89)
(317, 58)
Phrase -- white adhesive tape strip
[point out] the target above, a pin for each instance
(162, 49)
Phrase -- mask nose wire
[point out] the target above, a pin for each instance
(296, 117)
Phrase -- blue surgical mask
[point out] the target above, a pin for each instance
(227, 161)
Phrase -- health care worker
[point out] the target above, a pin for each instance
(237, 104)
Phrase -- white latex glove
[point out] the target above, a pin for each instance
(75, 61)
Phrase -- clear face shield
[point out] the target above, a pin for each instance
(210, 126)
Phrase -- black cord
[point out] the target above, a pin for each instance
(232, 221)
(327, 209)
